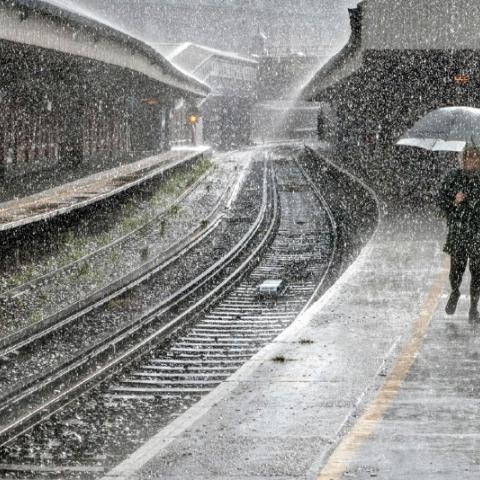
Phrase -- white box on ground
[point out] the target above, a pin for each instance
(271, 288)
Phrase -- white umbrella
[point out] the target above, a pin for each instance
(445, 129)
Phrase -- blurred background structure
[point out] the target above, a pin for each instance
(306, 25)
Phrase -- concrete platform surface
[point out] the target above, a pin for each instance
(91, 189)
(388, 389)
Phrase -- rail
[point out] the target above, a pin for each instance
(26, 407)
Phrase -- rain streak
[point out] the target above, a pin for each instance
(239, 239)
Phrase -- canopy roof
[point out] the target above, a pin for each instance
(344, 63)
(190, 57)
(401, 25)
(100, 39)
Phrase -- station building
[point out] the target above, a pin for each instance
(226, 113)
(279, 114)
(403, 59)
(74, 90)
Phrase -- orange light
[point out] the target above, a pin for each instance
(151, 101)
(462, 79)
(193, 119)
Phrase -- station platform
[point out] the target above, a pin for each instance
(92, 189)
(377, 382)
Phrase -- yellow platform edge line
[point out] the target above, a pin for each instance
(342, 456)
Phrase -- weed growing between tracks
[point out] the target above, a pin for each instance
(77, 340)
(117, 416)
(78, 241)
(38, 316)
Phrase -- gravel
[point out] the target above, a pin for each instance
(55, 292)
(69, 342)
(100, 430)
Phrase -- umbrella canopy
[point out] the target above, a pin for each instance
(445, 129)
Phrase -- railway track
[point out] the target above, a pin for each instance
(141, 254)
(203, 344)
(241, 324)
(106, 337)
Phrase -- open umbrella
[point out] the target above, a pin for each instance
(445, 129)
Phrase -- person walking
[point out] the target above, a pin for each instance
(459, 200)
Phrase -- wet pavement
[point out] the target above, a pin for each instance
(431, 430)
(372, 382)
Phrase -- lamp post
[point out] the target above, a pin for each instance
(193, 119)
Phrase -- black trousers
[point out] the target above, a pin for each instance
(458, 265)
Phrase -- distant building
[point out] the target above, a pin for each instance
(281, 76)
(258, 45)
(282, 73)
(230, 24)
(232, 78)
(224, 72)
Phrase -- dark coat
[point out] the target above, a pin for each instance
(464, 220)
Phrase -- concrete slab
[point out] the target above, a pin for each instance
(432, 430)
(91, 189)
(284, 419)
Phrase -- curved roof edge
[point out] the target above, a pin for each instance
(227, 54)
(343, 64)
(97, 27)
(174, 52)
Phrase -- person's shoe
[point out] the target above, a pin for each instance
(452, 302)
(473, 315)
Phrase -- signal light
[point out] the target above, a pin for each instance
(462, 79)
(193, 119)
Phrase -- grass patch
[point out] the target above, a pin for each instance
(175, 210)
(120, 303)
(75, 245)
(171, 187)
(83, 269)
(114, 256)
(163, 225)
(87, 274)
(37, 316)
(22, 275)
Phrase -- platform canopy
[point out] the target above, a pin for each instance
(400, 25)
(420, 24)
(208, 64)
(63, 26)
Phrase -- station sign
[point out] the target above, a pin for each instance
(151, 101)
